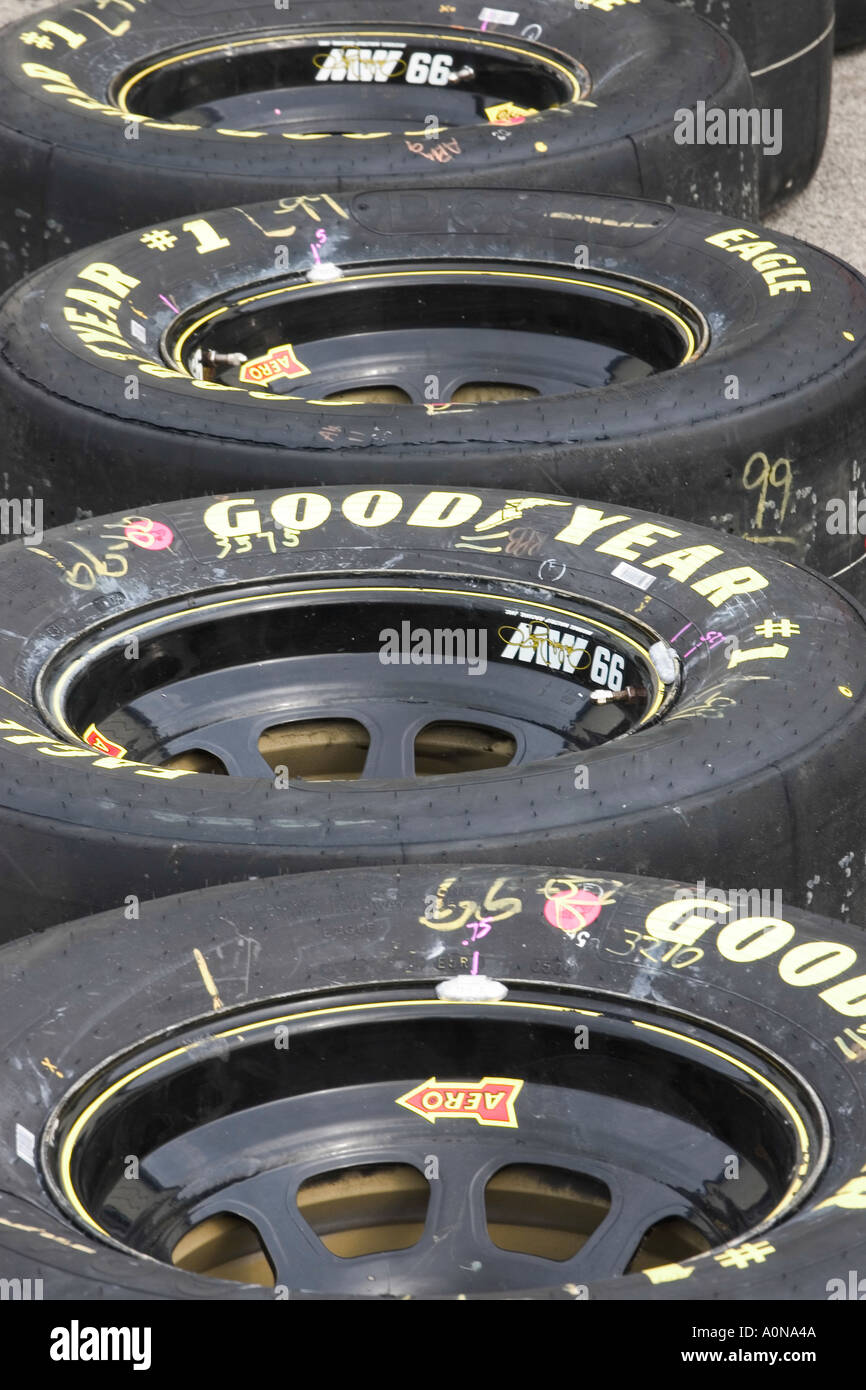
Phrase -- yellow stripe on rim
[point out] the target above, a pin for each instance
(123, 94)
(69, 1143)
(681, 324)
(55, 705)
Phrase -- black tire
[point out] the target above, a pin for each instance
(753, 771)
(760, 436)
(789, 52)
(72, 176)
(786, 991)
(850, 23)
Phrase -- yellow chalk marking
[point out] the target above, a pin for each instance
(208, 978)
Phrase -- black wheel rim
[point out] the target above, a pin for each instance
(435, 336)
(367, 81)
(606, 1139)
(320, 680)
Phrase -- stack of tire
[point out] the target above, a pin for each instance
(320, 325)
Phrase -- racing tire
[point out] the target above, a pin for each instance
(108, 122)
(628, 688)
(749, 1034)
(719, 365)
(789, 52)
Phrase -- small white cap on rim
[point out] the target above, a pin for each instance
(472, 989)
(325, 270)
(665, 660)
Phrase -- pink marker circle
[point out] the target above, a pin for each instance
(572, 910)
(150, 535)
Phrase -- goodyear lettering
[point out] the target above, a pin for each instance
(103, 302)
(100, 273)
(717, 588)
(223, 520)
(301, 511)
(97, 323)
(61, 84)
(644, 534)
(779, 271)
(808, 965)
(372, 508)
(445, 509)
(682, 564)
(243, 517)
(585, 522)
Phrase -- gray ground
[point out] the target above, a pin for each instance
(831, 211)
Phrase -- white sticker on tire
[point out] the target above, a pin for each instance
(630, 575)
(489, 16)
(25, 1145)
(357, 63)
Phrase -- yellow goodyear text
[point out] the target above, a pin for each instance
(60, 84)
(306, 511)
(779, 270)
(47, 747)
(92, 306)
(825, 966)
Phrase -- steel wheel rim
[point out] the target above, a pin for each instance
(364, 80)
(430, 334)
(708, 1090)
(229, 675)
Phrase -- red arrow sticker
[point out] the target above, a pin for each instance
(279, 361)
(490, 1101)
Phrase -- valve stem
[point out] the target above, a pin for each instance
(623, 697)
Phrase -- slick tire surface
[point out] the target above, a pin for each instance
(754, 771)
(761, 434)
(77, 169)
(789, 51)
(319, 932)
